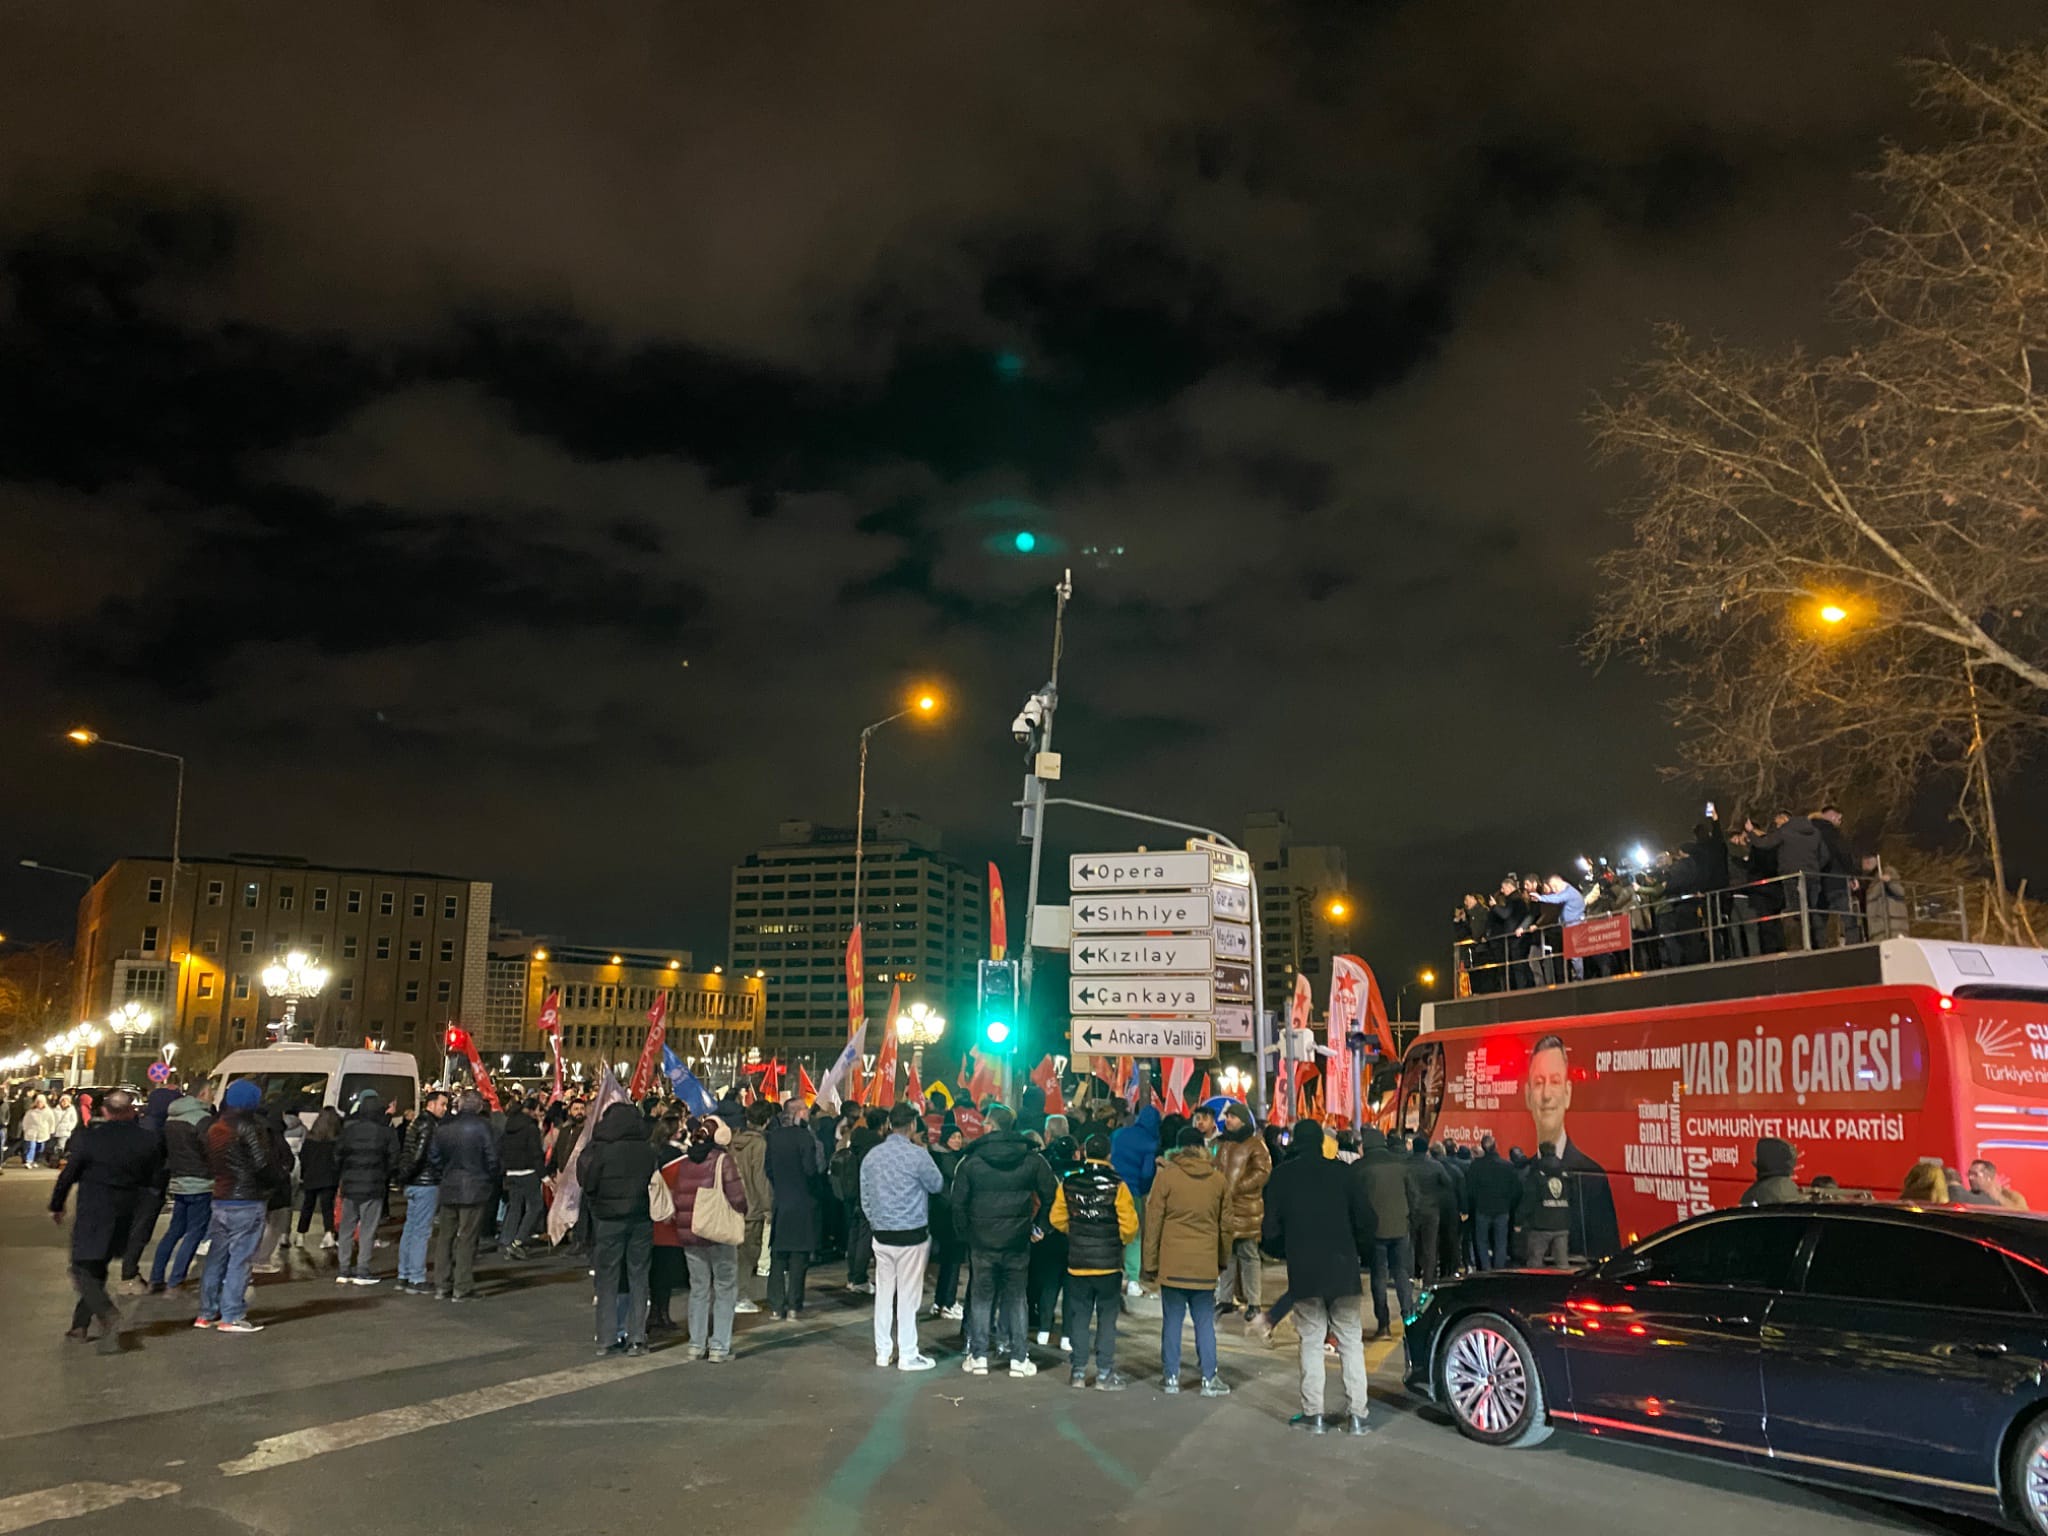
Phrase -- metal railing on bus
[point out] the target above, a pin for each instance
(1744, 922)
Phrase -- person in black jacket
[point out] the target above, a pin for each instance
(1796, 843)
(189, 1182)
(245, 1175)
(1546, 1208)
(1492, 1190)
(465, 1158)
(519, 1155)
(366, 1156)
(320, 1173)
(155, 1110)
(422, 1180)
(614, 1172)
(114, 1163)
(1837, 880)
(1319, 1218)
(1002, 1189)
(794, 1164)
(1430, 1189)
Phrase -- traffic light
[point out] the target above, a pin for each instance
(998, 1022)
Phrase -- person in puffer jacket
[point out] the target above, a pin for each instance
(190, 1186)
(1094, 1208)
(366, 1157)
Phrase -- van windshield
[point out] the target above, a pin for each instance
(292, 1092)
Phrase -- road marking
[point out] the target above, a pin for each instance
(73, 1499)
(304, 1444)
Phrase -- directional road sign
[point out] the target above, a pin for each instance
(1233, 941)
(1231, 901)
(1229, 865)
(1137, 871)
(1139, 994)
(1233, 981)
(1142, 914)
(1143, 1037)
(1233, 1021)
(1142, 955)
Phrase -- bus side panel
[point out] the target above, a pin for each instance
(2000, 1050)
(1659, 1114)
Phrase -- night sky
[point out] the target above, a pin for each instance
(529, 442)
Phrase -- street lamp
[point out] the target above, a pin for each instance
(129, 1021)
(917, 1027)
(1235, 1082)
(54, 869)
(1425, 979)
(297, 975)
(924, 703)
(71, 1044)
(91, 738)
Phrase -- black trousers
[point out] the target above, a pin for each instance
(786, 1273)
(625, 1252)
(148, 1206)
(1093, 1302)
(1422, 1232)
(89, 1279)
(665, 1276)
(321, 1200)
(860, 1244)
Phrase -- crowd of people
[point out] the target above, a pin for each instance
(1718, 895)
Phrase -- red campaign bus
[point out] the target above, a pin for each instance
(1658, 1087)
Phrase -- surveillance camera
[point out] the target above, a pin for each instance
(1021, 728)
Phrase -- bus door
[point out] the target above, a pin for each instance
(1422, 1090)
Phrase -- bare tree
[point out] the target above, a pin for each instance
(1843, 559)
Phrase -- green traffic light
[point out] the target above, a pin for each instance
(997, 1031)
(1026, 541)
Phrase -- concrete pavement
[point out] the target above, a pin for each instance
(360, 1410)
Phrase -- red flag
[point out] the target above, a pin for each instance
(916, 1089)
(998, 916)
(963, 1081)
(550, 1026)
(1055, 1096)
(771, 1078)
(885, 1058)
(1104, 1068)
(982, 1086)
(1177, 1077)
(1207, 1092)
(856, 1012)
(650, 1050)
(1043, 1073)
(805, 1086)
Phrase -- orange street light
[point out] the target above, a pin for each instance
(82, 736)
(1427, 978)
(1831, 613)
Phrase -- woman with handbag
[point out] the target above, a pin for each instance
(710, 1223)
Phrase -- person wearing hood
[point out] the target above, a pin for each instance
(1187, 1244)
(1134, 1154)
(1775, 1160)
(1242, 1159)
(365, 1158)
(465, 1156)
(114, 1164)
(614, 1171)
(707, 1163)
(1319, 1219)
(520, 1156)
(1393, 1256)
(1002, 1187)
(245, 1176)
(189, 1182)
(320, 1174)
(795, 1166)
(750, 1153)
(155, 1110)
(1546, 1211)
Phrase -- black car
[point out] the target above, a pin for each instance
(1896, 1350)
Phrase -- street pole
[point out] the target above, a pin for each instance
(1981, 768)
(1061, 594)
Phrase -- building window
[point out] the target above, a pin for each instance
(287, 897)
(241, 986)
(347, 990)
(447, 950)
(384, 948)
(348, 946)
(319, 898)
(239, 1029)
(252, 894)
(387, 903)
(216, 892)
(156, 890)
(149, 939)
(210, 945)
(442, 991)
(448, 907)
(414, 950)
(412, 991)
(248, 941)
(419, 903)
(203, 987)
(352, 901)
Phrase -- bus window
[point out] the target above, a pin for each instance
(1422, 1091)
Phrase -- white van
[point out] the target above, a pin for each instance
(302, 1080)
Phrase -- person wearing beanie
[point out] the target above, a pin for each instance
(115, 1164)
(189, 1182)
(1775, 1161)
(707, 1165)
(1242, 1159)
(244, 1177)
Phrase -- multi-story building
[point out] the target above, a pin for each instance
(405, 950)
(925, 925)
(606, 996)
(1301, 890)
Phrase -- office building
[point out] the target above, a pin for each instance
(405, 951)
(1300, 885)
(606, 996)
(925, 927)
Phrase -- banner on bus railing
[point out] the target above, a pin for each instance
(1597, 936)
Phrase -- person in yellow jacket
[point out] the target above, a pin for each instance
(1094, 1208)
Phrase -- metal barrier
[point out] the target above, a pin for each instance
(1764, 917)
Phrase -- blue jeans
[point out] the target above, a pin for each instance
(1490, 1241)
(190, 1216)
(1174, 1306)
(30, 1151)
(421, 1202)
(235, 1228)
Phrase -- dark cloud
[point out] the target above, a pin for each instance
(534, 442)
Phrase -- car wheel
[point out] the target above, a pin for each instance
(2026, 1476)
(1487, 1378)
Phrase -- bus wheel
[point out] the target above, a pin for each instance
(1487, 1378)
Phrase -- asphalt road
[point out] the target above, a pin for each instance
(363, 1410)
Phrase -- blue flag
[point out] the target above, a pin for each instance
(689, 1091)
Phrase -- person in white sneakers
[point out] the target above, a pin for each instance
(897, 1182)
